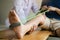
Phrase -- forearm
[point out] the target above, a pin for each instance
(58, 10)
(50, 8)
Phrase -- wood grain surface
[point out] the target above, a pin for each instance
(36, 35)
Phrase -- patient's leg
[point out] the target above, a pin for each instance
(13, 18)
(21, 30)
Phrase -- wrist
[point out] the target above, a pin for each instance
(56, 9)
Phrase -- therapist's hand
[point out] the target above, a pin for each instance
(44, 7)
(50, 8)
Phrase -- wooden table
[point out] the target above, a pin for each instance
(36, 35)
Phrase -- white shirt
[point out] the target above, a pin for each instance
(23, 7)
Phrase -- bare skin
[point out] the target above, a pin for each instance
(23, 29)
(50, 8)
(13, 18)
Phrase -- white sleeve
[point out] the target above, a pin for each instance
(35, 7)
(19, 5)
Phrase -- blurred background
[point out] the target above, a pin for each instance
(5, 6)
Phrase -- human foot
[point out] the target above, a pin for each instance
(32, 29)
(13, 18)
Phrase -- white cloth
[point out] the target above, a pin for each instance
(46, 24)
(55, 24)
(23, 7)
(52, 24)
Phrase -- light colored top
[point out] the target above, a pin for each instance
(23, 7)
